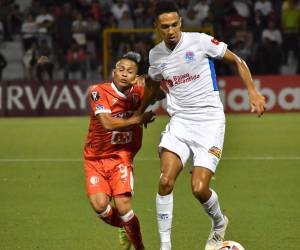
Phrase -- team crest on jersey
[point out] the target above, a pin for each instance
(95, 95)
(215, 41)
(189, 56)
(215, 151)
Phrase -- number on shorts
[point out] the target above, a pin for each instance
(123, 171)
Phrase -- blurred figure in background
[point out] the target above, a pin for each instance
(3, 64)
(76, 61)
(45, 68)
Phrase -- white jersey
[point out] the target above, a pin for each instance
(188, 75)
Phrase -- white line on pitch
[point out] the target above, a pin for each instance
(228, 158)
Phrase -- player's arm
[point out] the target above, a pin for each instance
(114, 123)
(152, 93)
(257, 101)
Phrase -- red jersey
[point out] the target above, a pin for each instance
(101, 143)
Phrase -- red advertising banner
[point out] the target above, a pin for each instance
(69, 98)
(52, 98)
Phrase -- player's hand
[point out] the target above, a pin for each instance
(257, 102)
(147, 117)
(140, 80)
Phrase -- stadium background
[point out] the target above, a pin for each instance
(43, 204)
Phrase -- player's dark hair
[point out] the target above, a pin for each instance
(165, 7)
(133, 56)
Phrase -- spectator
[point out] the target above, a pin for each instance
(191, 20)
(44, 21)
(15, 19)
(3, 64)
(126, 21)
(264, 6)
(272, 33)
(201, 8)
(79, 29)
(29, 29)
(76, 60)
(30, 60)
(118, 9)
(290, 26)
(44, 68)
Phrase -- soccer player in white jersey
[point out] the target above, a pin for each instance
(183, 64)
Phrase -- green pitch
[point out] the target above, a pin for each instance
(43, 204)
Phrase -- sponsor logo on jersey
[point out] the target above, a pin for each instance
(189, 56)
(99, 107)
(215, 151)
(95, 95)
(215, 41)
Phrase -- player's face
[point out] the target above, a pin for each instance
(124, 74)
(169, 28)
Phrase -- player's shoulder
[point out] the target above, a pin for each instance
(157, 52)
(99, 86)
(196, 35)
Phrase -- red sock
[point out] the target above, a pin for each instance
(133, 231)
(112, 217)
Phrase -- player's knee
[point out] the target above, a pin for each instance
(99, 205)
(200, 189)
(166, 184)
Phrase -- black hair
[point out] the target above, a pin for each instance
(133, 56)
(165, 7)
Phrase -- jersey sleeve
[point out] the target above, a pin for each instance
(154, 71)
(212, 47)
(98, 100)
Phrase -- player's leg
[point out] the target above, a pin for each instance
(200, 186)
(99, 193)
(104, 210)
(130, 221)
(209, 136)
(171, 166)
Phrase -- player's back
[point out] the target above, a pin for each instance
(101, 143)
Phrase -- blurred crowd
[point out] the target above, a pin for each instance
(265, 33)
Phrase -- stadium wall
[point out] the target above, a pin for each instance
(69, 98)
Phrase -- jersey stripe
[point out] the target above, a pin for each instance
(213, 74)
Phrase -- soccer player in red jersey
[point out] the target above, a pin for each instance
(114, 137)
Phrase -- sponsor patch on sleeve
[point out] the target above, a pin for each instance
(99, 107)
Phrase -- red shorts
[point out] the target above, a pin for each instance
(110, 176)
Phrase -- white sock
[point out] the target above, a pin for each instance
(127, 217)
(164, 210)
(212, 208)
(106, 212)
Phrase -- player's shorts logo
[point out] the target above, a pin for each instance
(94, 180)
(189, 56)
(95, 95)
(215, 151)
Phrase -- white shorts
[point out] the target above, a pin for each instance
(203, 139)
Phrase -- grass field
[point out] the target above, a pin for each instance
(43, 204)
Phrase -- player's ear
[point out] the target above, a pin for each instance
(180, 21)
(113, 73)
